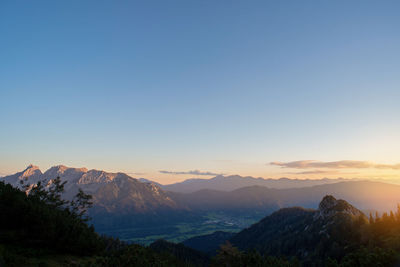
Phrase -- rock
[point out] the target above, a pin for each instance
(330, 206)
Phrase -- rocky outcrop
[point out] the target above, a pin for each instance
(330, 207)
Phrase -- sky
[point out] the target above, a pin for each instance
(169, 90)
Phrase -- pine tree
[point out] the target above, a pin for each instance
(392, 218)
(371, 219)
(377, 219)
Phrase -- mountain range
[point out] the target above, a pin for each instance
(121, 193)
(233, 182)
(123, 202)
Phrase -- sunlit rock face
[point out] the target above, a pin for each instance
(69, 175)
(95, 176)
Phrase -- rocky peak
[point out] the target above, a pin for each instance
(61, 169)
(327, 203)
(330, 206)
(31, 167)
(30, 170)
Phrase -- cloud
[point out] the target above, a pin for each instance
(194, 172)
(342, 164)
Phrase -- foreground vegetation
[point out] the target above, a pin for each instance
(42, 229)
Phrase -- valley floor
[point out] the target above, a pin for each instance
(180, 231)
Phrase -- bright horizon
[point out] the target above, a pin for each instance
(169, 177)
(163, 89)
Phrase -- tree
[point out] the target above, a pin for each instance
(371, 219)
(80, 204)
(228, 256)
(377, 219)
(51, 193)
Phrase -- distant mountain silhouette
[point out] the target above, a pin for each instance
(364, 194)
(233, 182)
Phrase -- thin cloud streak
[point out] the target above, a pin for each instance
(342, 164)
(193, 172)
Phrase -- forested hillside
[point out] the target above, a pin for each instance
(335, 234)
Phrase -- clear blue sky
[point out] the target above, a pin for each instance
(219, 86)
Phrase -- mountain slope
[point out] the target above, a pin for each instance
(124, 194)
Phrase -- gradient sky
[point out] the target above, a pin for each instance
(216, 86)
